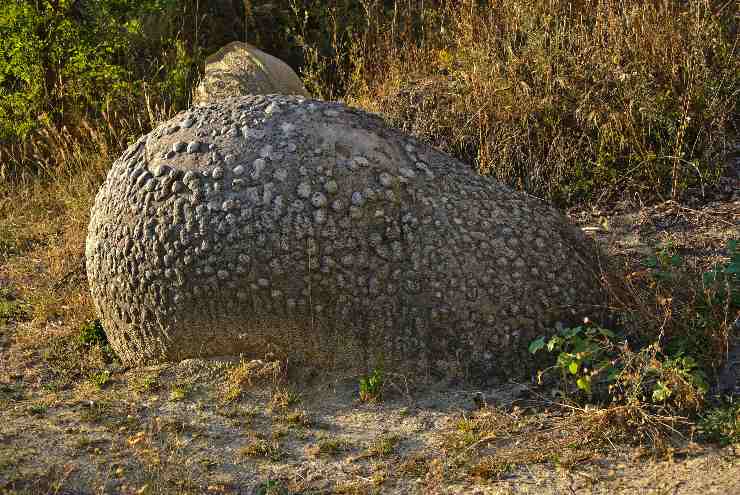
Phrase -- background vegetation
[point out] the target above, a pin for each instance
(570, 100)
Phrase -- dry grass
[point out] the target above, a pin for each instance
(567, 100)
(248, 374)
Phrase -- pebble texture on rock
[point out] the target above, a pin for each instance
(240, 69)
(311, 230)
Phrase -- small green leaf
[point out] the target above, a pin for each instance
(536, 345)
(584, 383)
(573, 367)
(555, 341)
(661, 392)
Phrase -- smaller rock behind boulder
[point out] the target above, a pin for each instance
(240, 69)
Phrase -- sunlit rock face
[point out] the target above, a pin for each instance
(240, 69)
(306, 229)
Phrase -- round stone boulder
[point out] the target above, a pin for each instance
(312, 231)
(240, 69)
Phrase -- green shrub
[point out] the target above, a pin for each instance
(721, 424)
(588, 356)
(582, 352)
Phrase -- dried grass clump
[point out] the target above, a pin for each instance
(248, 374)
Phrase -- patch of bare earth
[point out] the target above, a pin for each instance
(168, 429)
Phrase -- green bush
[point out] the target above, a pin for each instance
(589, 357)
(78, 71)
(66, 58)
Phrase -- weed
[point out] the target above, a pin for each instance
(383, 446)
(245, 415)
(96, 412)
(664, 263)
(248, 374)
(722, 284)
(330, 446)
(259, 447)
(416, 465)
(283, 398)
(11, 308)
(371, 386)
(92, 334)
(587, 355)
(146, 384)
(582, 354)
(297, 417)
(70, 360)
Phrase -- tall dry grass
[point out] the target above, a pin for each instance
(569, 100)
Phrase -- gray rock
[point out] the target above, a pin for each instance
(240, 69)
(442, 272)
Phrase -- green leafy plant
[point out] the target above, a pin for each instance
(587, 355)
(37, 409)
(179, 392)
(583, 353)
(62, 59)
(371, 386)
(684, 367)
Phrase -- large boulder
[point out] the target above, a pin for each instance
(240, 69)
(311, 230)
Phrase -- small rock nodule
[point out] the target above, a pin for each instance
(240, 69)
(311, 230)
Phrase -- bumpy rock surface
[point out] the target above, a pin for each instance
(311, 230)
(240, 69)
